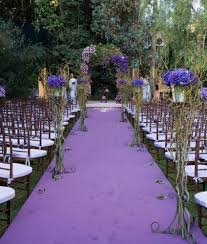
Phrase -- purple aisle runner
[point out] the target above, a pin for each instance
(110, 199)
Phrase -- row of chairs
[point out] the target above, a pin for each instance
(156, 122)
(27, 137)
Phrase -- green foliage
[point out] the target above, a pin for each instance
(46, 15)
(131, 27)
(20, 62)
(103, 54)
(120, 23)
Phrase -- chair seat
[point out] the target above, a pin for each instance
(70, 116)
(35, 142)
(153, 137)
(19, 170)
(172, 156)
(202, 171)
(75, 110)
(161, 144)
(191, 156)
(203, 156)
(201, 198)
(20, 153)
(45, 135)
(153, 129)
(6, 194)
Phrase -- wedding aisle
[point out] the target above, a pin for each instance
(111, 198)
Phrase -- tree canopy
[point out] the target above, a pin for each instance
(154, 34)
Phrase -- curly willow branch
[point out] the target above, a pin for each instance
(137, 98)
(183, 117)
(82, 98)
(57, 105)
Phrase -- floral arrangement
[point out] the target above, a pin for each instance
(86, 55)
(87, 52)
(180, 77)
(84, 68)
(2, 92)
(137, 86)
(121, 63)
(81, 80)
(82, 99)
(56, 86)
(203, 93)
(56, 81)
(121, 82)
(137, 83)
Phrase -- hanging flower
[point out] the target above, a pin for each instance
(56, 81)
(82, 80)
(84, 68)
(121, 63)
(137, 83)
(121, 82)
(2, 92)
(203, 93)
(87, 52)
(180, 77)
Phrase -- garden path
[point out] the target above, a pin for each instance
(111, 199)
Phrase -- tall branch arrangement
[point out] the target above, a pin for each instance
(82, 99)
(137, 88)
(121, 64)
(185, 107)
(57, 100)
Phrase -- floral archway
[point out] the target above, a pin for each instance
(103, 66)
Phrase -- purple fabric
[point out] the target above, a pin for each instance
(110, 199)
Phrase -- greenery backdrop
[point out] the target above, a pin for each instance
(163, 34)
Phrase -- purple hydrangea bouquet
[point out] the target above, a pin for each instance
(137, 88)
(56, 86)
(121, 63)
(179, 80)
(185, 86)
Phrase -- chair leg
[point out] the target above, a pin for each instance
(199, 215)
(204, 186)
(8, 210)
(28, 185)
(158, 154)
(167, 168)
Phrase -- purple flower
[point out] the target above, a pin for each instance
(203, 93)
(56, 81)
(84, 68)
(2, 92)
(121, 63)
(138, 83)
(120, 83)
(81, 80)
(87, 52)
(179, 77)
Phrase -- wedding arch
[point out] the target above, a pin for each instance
(103, 65)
